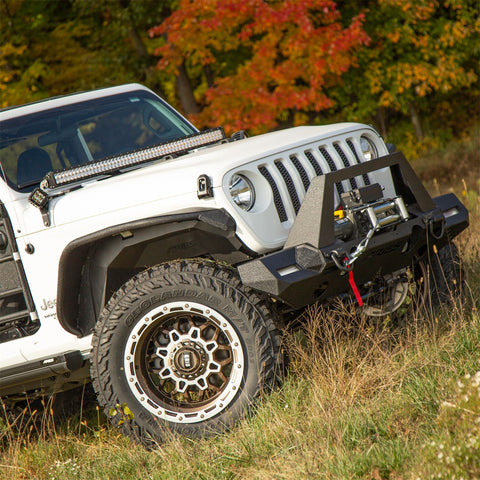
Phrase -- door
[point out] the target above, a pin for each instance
(18, 317)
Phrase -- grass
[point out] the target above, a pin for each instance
(362, 401)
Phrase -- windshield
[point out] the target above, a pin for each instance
(32, 146)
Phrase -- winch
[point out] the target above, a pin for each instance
(363, 212)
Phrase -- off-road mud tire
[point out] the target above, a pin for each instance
(210, 288)
(434, 281)
(446, 275)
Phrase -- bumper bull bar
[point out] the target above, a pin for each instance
(306, 269)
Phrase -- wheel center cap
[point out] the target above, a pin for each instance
(190, 359)
(186, 360)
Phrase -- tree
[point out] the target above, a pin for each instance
(45, 51)
(119, 31)
(270, 63)
(422, 54)
(52, 48)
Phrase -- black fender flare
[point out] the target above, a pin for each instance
(213, 222)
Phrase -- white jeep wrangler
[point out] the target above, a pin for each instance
(158, 261)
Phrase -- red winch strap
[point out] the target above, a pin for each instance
(354, 287)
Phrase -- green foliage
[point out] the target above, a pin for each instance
(53, 48)
(410, 68)
(422, 64)
(123, 412)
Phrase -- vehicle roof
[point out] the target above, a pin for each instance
(53, 102)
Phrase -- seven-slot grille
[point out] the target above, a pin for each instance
(289, 177)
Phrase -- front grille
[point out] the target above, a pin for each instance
(346, 163)
(314, 163)
(366, 180)
(302, 172)
(289, 177)
(333, 168)
(282, 214)
(290, 185)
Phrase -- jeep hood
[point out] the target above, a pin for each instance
(157, 187)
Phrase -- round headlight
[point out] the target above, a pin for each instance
(369, 150)
(242, 192)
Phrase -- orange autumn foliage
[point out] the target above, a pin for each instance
(288, 54)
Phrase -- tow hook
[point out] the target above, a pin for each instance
(338, 257)
(436, 224)
(346, 267)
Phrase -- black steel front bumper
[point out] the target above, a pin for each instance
(304, 271)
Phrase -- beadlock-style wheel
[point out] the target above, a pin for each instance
(183, 347)
(185, 362)
(431, 282)
(398, 291)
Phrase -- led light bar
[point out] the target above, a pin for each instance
(137, 157)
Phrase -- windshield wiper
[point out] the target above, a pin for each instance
(31, 183)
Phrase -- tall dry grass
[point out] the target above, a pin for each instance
(362, 399)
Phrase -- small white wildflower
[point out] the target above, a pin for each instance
(460, 384)
(441, 446)
(440, 455)
(467, 376)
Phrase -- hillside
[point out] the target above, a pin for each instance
(362, 400)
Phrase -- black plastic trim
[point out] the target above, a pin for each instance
(39, 369)
(71, 260)
(277, 198)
